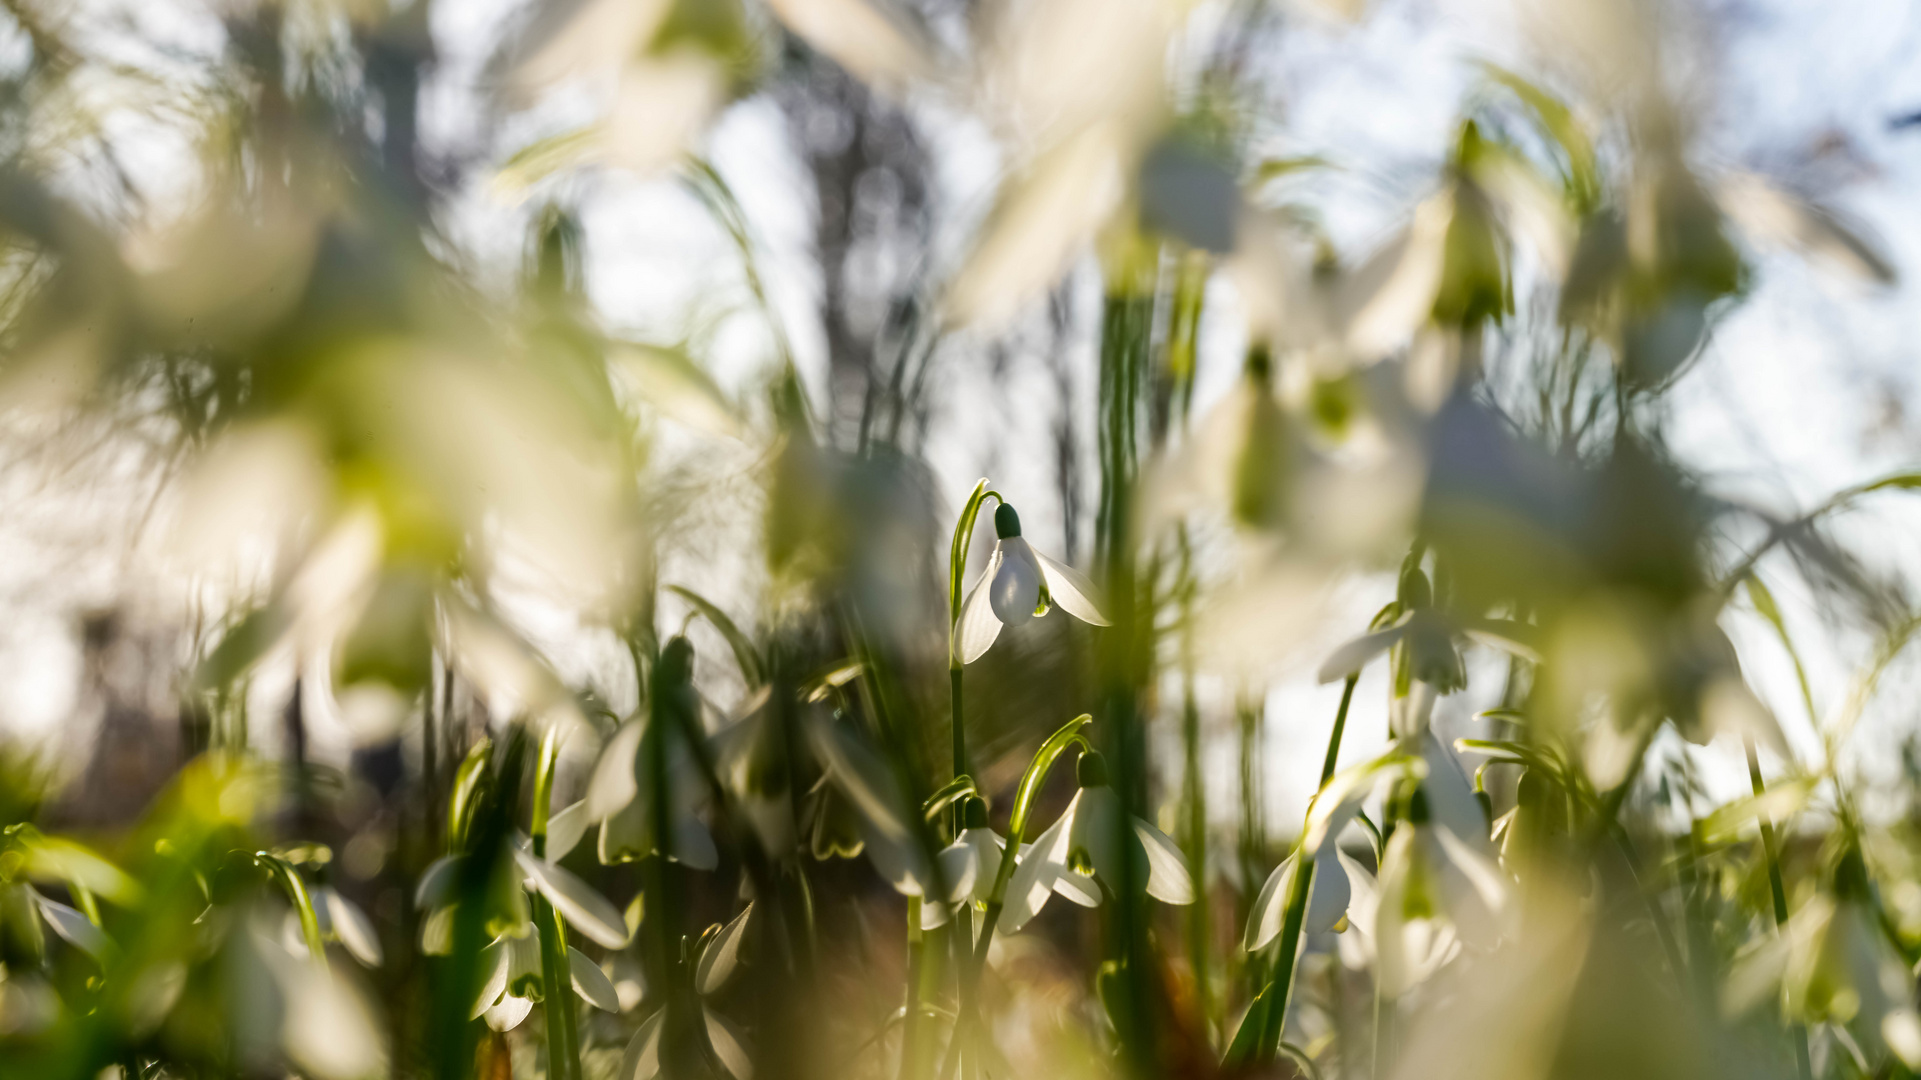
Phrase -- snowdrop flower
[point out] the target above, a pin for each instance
(619, 795)
(340, 920)
(718, 957)
(1439, 882)
(1018, 584)
(573, 900)
(1837, 966)
(1426, 640)
(1440, 886)
(1335, 872)
(514, 980)
(1087, 846)
(968, 866)
(891, 832)
(23, 908)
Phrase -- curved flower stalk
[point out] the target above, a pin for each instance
(514, 980)
(1834, 964)
(710, 965)
(1019, 584)
(1081, 855)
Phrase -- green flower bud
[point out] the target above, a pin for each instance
(974, 813)
(1007, 523)
(1091, 769)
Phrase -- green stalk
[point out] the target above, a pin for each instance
(1281, 988)
(957, 550)
(956, 573)
(1770, 846)
(563, 1050)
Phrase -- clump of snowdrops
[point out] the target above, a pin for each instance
(775, 844)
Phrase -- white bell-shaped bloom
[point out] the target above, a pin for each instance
(1430, 641)
(620, 796)
(1018, 584)
(1327, 903)
(968, 866)
(513, 982)
(718, 960)
(1089, 845)
(1837, 966)
(342, 920)
(573, 900)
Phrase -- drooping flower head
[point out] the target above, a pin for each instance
(1086, 851)
(1019, 584)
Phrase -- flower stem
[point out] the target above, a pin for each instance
(563, 1054)
(1770, 846)
(911, 1034)
(1281, 988)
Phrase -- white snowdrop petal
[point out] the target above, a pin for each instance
(565, 829)
(74, 927)
(437, 883)
(1076, 887)
(1330, 892)
(613, 784)
(933, 915)
(728, 1045)
(509, 1013)
(641, 1061)
(1450, 797)
(329, 1030)
(350, 925)
(717, 963)
(583, 908)
(1016, 588)
(959, 866)
(1270, 907)
(1478, 900)
(591, 983)
(1168, 879)
(1350, 657)
(494, 961)
(694, 845)
(988, 853)
(977, 628)
(1071, 589)
(1033, 879)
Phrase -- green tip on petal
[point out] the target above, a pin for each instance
(1007, 523)
(1091, 769)
(974, 813)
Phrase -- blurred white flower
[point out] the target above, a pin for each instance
(1018, 584)
(619, 797)
(719, 957)
(342, 920)
(1836, 965)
